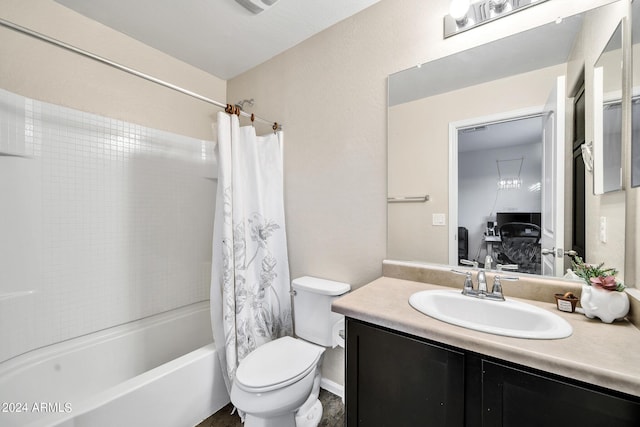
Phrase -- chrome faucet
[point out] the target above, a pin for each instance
(482, 291)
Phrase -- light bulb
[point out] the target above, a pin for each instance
(458, 10)
(501, 6)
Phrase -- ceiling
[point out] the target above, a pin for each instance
(218, 36)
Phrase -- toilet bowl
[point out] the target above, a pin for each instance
(277, 384)
(274, 380)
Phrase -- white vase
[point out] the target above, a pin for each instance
(606, 305)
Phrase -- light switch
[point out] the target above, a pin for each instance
(603, 229)
(439, 219)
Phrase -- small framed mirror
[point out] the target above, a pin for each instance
(607, 124)
(635, 96)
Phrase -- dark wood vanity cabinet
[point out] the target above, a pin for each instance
(394, 379)
(516, 397)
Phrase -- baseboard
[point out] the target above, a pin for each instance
(332, 387)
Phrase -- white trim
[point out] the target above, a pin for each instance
(332, 387)
(598, 130)
(453, 163)
(453, 192)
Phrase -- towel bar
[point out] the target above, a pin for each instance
(409, 199)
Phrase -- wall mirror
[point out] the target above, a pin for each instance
(465, 138)
(635, 149)
(607, 120)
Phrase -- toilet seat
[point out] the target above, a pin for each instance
(277, 364)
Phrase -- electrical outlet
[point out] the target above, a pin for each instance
(603, 229)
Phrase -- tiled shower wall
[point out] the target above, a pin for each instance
(101, 222)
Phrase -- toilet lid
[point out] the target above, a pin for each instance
(277, 363)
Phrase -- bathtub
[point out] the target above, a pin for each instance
(159, 371)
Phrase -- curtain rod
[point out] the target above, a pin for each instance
(87, 54)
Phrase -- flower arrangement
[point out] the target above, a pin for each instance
(597, 275)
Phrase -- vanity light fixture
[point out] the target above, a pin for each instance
(464, 14)
(512, 182)
(509, 184)
(256, 6)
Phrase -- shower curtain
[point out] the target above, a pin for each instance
(250, 300)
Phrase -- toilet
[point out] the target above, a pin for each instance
(277, 384)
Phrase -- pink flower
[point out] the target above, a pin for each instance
(604, 282)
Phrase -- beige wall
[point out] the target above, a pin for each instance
(41, 71)
(331, 94)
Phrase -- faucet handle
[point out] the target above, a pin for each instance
(501, 267)
(473, 264)
(508, 278)
(496, 290)
(467, 289)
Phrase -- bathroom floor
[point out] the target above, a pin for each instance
(332, 414)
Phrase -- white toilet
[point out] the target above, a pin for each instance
(277, 384)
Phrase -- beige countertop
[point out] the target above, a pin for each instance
(607, 355)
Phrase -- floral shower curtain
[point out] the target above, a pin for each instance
(250, 302)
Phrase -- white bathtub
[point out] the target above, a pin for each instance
(161, 371)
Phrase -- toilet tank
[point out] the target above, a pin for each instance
(313, 318)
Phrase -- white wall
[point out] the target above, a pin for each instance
(106, 223)
(103, 222)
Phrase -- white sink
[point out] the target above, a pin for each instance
(508, 318)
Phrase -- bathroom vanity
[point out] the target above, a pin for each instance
(404, 368)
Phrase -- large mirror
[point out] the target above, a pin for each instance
(466, 153)
(635, 150)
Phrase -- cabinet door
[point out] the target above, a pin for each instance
(395, 380)
(512, 397)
